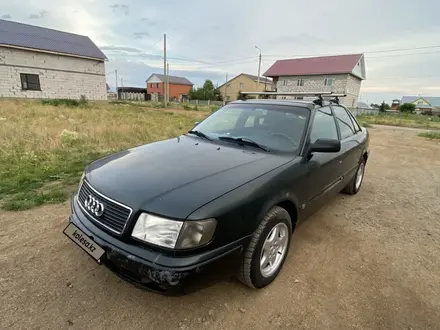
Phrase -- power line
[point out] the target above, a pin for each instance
(158, 41)
(419, 77)
(366, 52)
(401, 49)
(394, 55)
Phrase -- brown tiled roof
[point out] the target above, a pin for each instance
(314, 66)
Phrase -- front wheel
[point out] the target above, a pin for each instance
(267, 250)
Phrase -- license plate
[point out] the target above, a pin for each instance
(84, 242)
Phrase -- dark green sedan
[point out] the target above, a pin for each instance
(227, 194)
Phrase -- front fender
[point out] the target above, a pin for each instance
(239, 212)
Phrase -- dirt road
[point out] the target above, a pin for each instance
(370, 261)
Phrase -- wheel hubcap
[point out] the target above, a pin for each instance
(360, 175)
(274, 250)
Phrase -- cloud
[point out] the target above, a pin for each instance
(121, 49)
(148, 21)
(41, 14)
(6, 16)
(205, 48)
(135, 73)
(140, 35)
(120, 8)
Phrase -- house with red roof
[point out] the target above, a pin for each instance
(338, 74)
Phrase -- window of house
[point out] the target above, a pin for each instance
(420, 102)
(328, 81)
(324, 126)
(300, 82)
(30, 82)
(157, 85)
(284, 82)
(241, 85)
(345, 124)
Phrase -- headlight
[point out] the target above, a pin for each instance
(196, 233)
(172, 233)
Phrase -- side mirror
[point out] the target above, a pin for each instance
(325, 145)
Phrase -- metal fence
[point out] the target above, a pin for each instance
(203, 102)
(362, 111)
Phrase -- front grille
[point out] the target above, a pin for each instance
(115, 215)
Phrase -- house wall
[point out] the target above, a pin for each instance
(358, 70)
(342, 83)
(420, 101)
(176, 90)
(352, 91)
(249, 85)
(60, 76)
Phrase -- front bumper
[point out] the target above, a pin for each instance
(157, 271)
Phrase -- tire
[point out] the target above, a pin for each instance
(353, 187)
(250, 273)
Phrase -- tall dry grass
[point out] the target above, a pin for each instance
(404, 120)
(41, 144)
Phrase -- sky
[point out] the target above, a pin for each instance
(209, 39)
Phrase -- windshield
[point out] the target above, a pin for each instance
(276, 127)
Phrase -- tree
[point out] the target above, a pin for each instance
(407, 107)
(207, 92)
(218, 95)
(384, 107)
(374, 105)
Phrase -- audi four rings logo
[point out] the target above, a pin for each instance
(94, 205)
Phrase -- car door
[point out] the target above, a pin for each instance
(324, 170)
(350, 144)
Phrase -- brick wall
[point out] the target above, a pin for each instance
(176, 90)
(156, 88)
(60, 76)
(343, 83)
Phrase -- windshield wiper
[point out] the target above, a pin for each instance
(244, 141)
(200, 134)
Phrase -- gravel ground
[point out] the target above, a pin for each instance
(370, 261)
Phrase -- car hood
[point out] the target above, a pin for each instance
(175, 177)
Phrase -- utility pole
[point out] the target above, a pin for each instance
(226, 87)
(122, 87)
(165, 69)
(168, 82)
(259, 67)
(117, 93)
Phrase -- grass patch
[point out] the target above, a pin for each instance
(403, 119)
(430, 135)
(367, 125)
(66, 102)
(45, 144)
(27, 200)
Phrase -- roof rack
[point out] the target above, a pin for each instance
(320, 95)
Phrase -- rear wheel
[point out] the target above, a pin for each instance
(267, 250)
(355, 184)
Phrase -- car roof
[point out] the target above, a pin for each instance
(300, 103)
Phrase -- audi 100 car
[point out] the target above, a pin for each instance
(229, 193)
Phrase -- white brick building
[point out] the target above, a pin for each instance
(37, 62)
(338, 74)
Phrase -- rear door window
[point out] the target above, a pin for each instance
(345, 124)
